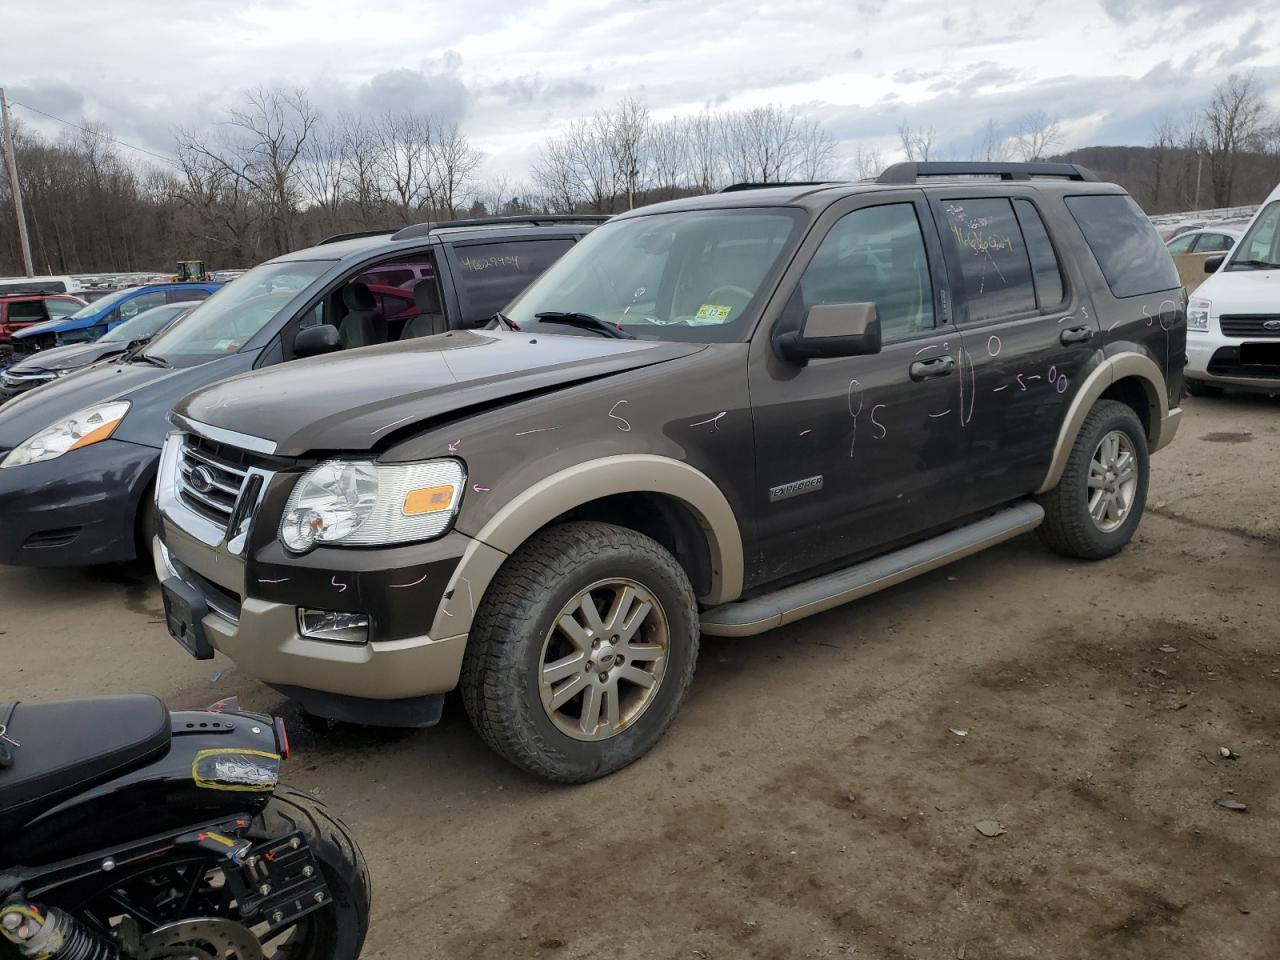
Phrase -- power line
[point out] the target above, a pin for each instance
(95, 133)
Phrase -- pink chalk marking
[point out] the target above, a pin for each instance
(453, 446)
(479, 489)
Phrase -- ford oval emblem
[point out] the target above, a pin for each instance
(201, 479)
(1271, 325)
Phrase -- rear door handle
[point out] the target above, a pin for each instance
(1075, 335)
(933, 367)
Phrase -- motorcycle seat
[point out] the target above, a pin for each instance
(70, 744)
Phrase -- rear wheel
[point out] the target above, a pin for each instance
(1097, 505)
(582, 651)
(183, 904)
(1198, 388)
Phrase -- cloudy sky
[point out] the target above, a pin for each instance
(511, 72)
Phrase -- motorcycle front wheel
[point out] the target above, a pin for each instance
(159, 899)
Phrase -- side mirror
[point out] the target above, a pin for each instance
(832, 330)
(1211, 264)
(314, 341)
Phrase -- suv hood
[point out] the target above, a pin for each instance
(1242, 291)
(353, 399)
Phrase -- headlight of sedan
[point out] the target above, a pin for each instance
(1198, 314)
(361, 503)
(81, 429)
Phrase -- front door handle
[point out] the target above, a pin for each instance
(933, 367)
(1075, 335)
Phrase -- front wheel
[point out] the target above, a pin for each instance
(1094, 510)
(582, 651)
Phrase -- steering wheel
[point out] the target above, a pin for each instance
(730, 288)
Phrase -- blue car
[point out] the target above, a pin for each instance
(92, 321)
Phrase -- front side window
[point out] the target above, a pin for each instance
(27, 311)
(494, 274)
(984, 237)
(223, 324)
(1125, 244)
(1260, 247)
(141, 303)
(61, 308)
(693, 275)
(875, 255)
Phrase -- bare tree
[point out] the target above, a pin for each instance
(917, 145)
(405, 143)
(1235, 121)
(992, 145)
(1036, 133)
(453, 166)
(867, 162)
(627, 131)
(361, 149)
(323, 175)
(815, 151)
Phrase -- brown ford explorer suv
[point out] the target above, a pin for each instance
(718, 415)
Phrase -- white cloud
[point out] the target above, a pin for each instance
(512, 72)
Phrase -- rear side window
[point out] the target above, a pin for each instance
(185, 296)
(986, 240)
(1124, 243)
(1213, 243)
(26, 311)
(1045, 269)
(493, 274)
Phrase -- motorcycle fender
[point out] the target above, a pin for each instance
(218, 766)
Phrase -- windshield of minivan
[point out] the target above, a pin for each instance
(694, 275)
(1260, 248)
(230, 318)
(145, 325)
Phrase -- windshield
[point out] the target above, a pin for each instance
(145, 325)
(1260, 247)
(103, 304)
(232, 316)
(695, 275)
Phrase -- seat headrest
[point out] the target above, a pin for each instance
(358, 296)
(427, 296)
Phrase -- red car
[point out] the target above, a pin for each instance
(23, 309)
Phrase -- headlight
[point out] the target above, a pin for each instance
(1198, 314)
(81, 429)
(360, 503)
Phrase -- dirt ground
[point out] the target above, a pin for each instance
(816, 797)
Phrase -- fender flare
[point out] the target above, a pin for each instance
(537, 505)
(1109, 371)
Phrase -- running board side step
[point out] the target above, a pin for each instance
(748, 617)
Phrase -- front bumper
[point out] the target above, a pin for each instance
(254, 588)
(78, 509)
(1213, 358)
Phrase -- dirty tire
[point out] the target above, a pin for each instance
(1198, 388)
(501, 670)
(1068, 529)
(339, 932)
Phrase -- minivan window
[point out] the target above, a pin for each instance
(693, 275)
(223, 324)
(494, 273)
(875, 255)
(1260, 247)
(103, 304)
(1045, 269)
(987, 242)
(1125, 244)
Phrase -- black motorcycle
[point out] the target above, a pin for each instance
(130, 833)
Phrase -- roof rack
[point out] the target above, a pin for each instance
(534, 220)
(356, 235)
(900, 173)
(750, 185)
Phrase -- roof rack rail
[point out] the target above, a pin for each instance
(533, 220)
(900, 173)
(355, 235)
(750, 185)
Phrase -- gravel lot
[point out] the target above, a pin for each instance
(814, 798)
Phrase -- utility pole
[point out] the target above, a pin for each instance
(11, 161)
(1199, 167)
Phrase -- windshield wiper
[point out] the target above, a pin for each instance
(585, 321)
(148, 358)
(1261, 264)
(500, 319)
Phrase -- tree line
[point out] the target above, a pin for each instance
(276, 175)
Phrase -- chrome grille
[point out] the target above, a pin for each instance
(211, 477)
(1250, 324)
